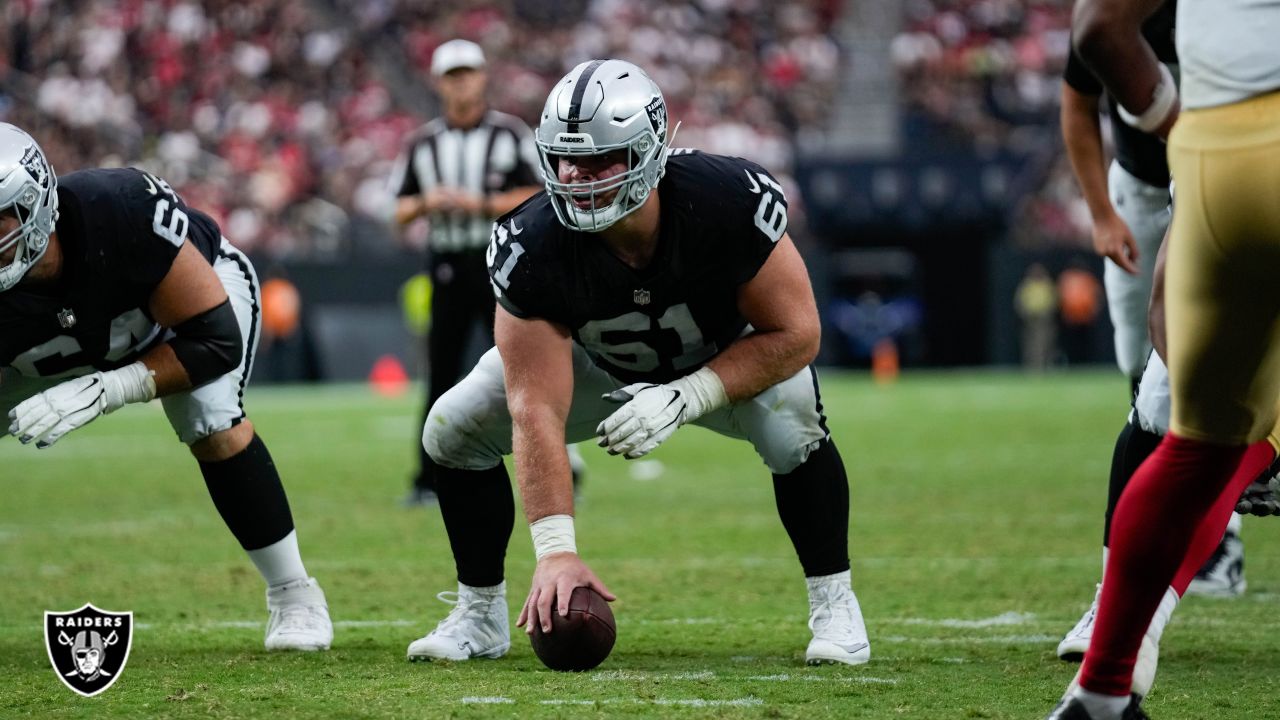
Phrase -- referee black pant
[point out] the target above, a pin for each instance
(461, 297)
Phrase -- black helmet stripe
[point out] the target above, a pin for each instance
(579, 90)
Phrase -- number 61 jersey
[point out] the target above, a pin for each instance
(720, 219)
(119, 231)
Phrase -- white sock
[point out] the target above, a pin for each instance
(1099, 706)
(819, 583)
(1234, 524)
(280, 562)
(488, 593)
(1163, 612)
(576, 462)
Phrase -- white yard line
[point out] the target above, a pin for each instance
(631, 675)
(698, 702)
(1003, 620)
(254, 624)
(748, 701)
(1009, 618)
(786, 677)
(98, 529)
(971, 640)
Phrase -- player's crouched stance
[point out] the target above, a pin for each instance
(109, 279)
(636, 295)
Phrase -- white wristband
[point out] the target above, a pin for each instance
(703, 391)
(1163, 98)
(553, 534)
(130, 384)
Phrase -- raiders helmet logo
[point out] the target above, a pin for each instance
(658, 117)
(88, 647)
(35, 165)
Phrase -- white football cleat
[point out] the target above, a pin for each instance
(1144, 668)
(1076, 642)
(299, 617)
(1223, 574)
(477, 626)
(839, 633)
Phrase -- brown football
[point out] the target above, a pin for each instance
(582, 639)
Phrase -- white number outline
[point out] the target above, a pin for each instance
(174, 229)
(129, 332)
(775, 225)
(500, 235)
(678, 318)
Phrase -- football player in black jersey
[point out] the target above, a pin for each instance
(645, 290)
(113, 291)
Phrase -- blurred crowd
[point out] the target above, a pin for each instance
(742, 76)
(264, 112)
(980, 71)
(281, 117)
(987, 74)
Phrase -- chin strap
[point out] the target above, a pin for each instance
(671, 144)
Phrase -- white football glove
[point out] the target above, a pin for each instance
(44, 418)
(651, 413)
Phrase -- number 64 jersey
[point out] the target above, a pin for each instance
(720, 219)
(119, 231)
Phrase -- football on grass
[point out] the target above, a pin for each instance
(582, 639)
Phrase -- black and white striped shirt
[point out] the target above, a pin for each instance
(494, 156)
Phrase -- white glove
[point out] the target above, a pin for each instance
(44, 418)
(652, 412)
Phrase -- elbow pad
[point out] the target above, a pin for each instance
(209, 345)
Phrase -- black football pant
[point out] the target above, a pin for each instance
(461, 297)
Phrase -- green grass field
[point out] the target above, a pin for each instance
(977, 510)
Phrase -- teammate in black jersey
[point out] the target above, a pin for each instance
(636, 295)
(1128, 200)
(113, 291)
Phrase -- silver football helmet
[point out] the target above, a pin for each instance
(29, 192)
(601, 106)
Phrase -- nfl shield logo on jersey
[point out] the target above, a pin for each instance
(641, 297)
(88, 647)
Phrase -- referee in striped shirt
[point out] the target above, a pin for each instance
(461, 171)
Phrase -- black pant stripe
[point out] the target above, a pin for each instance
(817, 395)
(255, 317)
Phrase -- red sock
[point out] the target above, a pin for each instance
(1152, 530)
(1256, 459)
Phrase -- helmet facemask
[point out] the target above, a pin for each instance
(630, 188)
(27, 239)
(29, 194)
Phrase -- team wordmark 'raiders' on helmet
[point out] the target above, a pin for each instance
(601, 106)
(29, 192)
